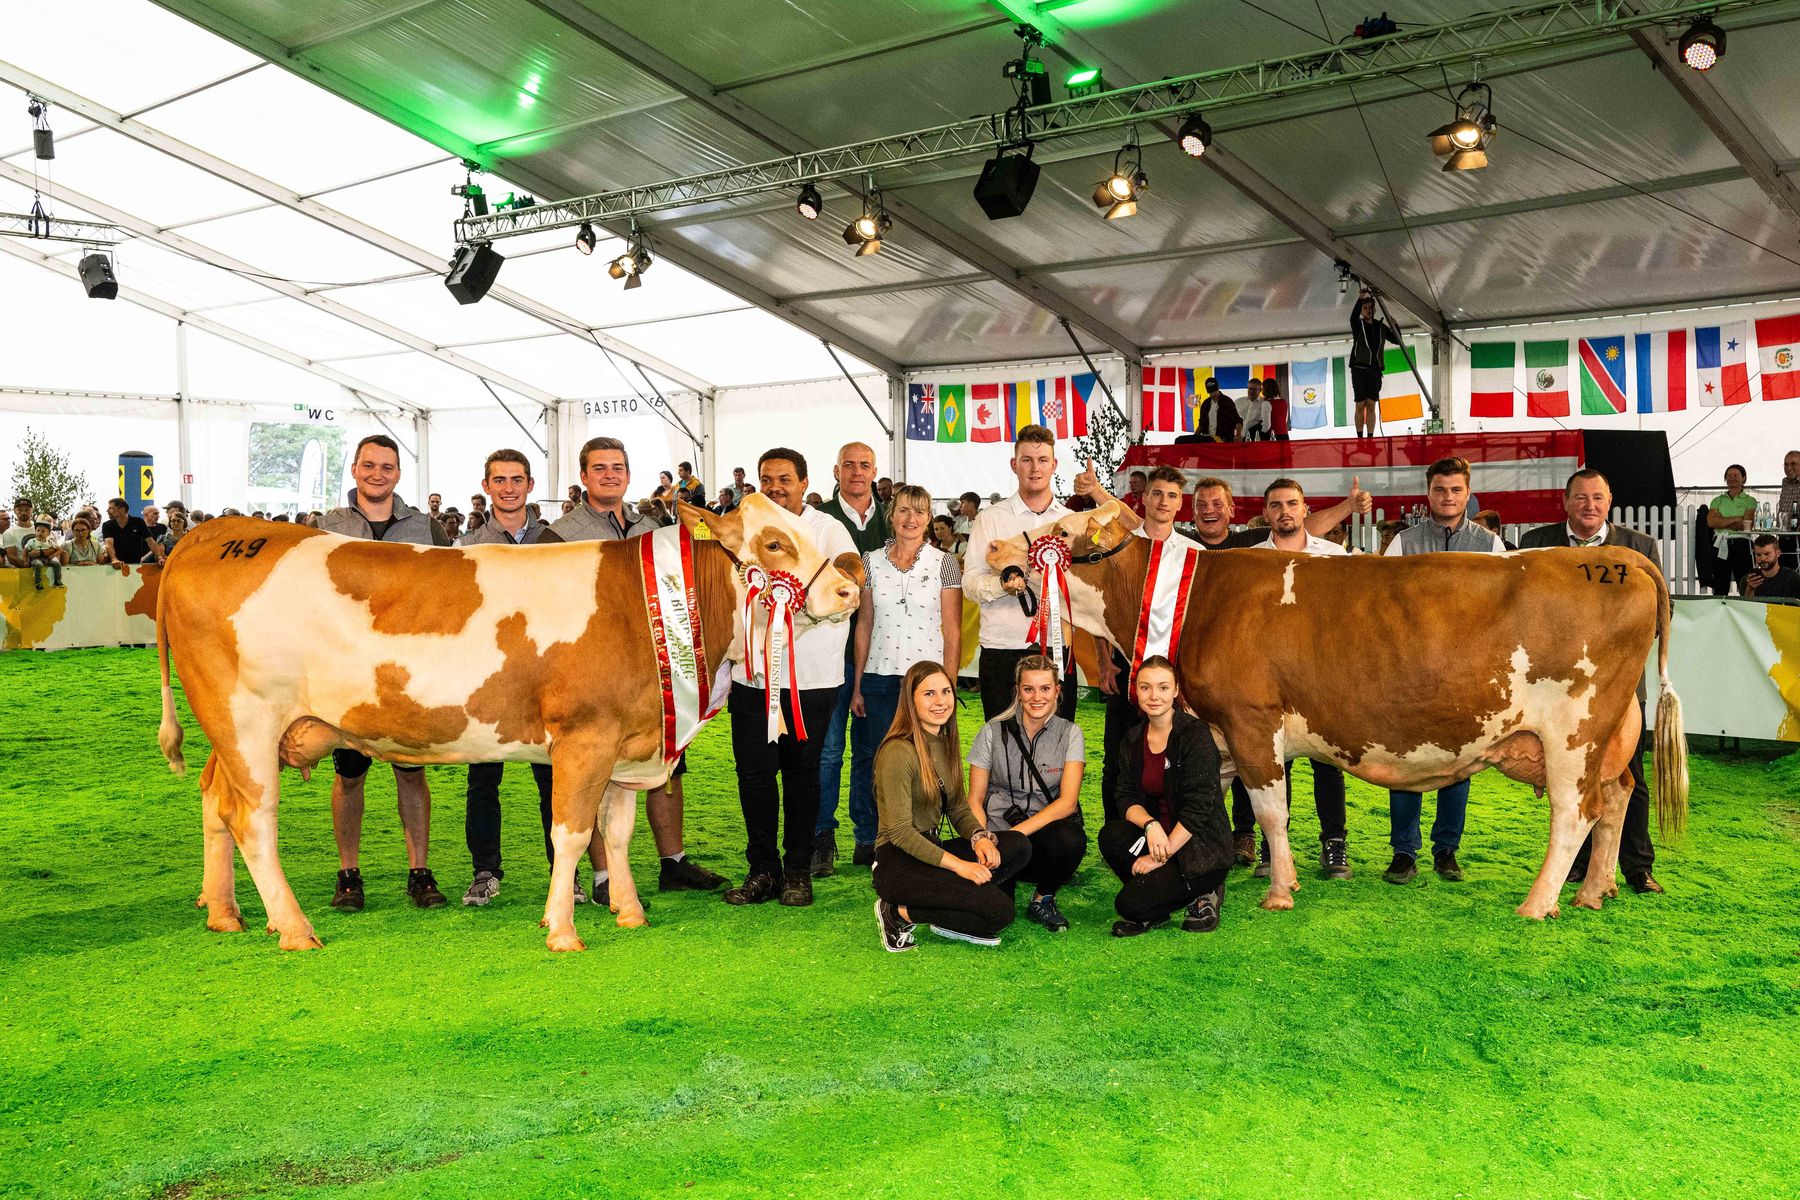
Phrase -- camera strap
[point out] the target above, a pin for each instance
(1018, 737)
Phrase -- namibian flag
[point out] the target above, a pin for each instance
(1602, 376)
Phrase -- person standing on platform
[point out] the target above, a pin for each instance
(1732, 509)
(1218, 415)
(1449, 529)
(854, 506)
(1369, 337)
(1278, 410)
(778, 781)
(1005, 624)
(376, 514)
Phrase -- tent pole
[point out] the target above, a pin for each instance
(184, 454)
(897, 428)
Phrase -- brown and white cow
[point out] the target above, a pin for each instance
(291, 642)
(1412, 673)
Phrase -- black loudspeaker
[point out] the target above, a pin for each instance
(1005, 186)
(472, 272)
(97, 277)
(1636, 464)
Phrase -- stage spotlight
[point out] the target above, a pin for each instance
(1194, 136)
(1702, 46)
(472, 272)
(866, 232)
(631, 265)
(1118, 193)
(1465, 139)
(1084, 81)
(809, 205)
(1006, 184)
(584, 238)
(97, 276)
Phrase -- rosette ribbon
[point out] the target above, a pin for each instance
(1050, 559)
(780, 595)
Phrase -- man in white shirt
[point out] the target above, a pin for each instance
(1004, 623)
(792, 807)
(1284, 507)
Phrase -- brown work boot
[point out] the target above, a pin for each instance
(1245, 844)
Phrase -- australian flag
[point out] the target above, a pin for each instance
(921, 412)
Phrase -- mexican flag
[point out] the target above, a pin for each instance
(1491, 378)
(1547, 379)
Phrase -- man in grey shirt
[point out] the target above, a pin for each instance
(603, 515)
(374, 513)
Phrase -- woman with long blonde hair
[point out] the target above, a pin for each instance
(955, 886)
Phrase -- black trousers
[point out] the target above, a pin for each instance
(934, 896)
(481, 814)
(1732, 568)
(996, 674)
(1328, 799)
(1122, 716)
(1636, 854)
(1151, 897)
(1056, 852)
(794, 803)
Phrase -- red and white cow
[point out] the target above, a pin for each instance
(291, 642)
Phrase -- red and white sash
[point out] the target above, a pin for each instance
(780, 595)
(689, 699)
(1165, 604)
(1049, 557)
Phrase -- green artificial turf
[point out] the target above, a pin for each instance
(1376, 1041)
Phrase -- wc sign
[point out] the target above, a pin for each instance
(314, 415)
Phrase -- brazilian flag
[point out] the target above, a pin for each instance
(953, 417)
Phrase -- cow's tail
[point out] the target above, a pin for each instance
(168, 734)
(1669, 752)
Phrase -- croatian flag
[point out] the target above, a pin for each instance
(921, 411)
(1719, 373)
(984, 420)
(1310, 405)
(1778, 352)
(1662, 360)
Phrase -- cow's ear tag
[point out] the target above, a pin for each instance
(702, 532)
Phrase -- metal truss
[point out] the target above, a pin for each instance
(55, 229)
(1489, 38)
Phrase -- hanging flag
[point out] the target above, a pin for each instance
(1400, 397)
(1279, 373)
(953, 422)
(1491, 378)
(1602, 376)
(1547, 379)
(1019, 411)
(1778, 350)
(1310, 405)
(1719, 373)
(984, 417)
(1054, 405)
(1081, 392)
(1162, 396)
(1662, 361)
(1340, 393)
(921, 411)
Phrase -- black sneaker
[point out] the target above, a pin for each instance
(1262, 863)
(601, 893)
(864, 855)
(1044, 912)
(1202, 915)
(759, 888)
(1124, 928)
(1402, 869)
(687, 876)
(422, 886)
(1445, 864)
(796, 889)
(896, 935)
(1577, 873)
(1334, 859)
(824, 859)
(349, 892)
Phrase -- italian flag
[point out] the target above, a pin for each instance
(1491, 384)
(1547, 379)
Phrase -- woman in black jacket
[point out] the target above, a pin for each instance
(1368, 354)
(1172, 847)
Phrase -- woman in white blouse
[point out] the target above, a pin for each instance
(911, 612)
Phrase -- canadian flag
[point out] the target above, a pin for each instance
(1778, 348)
(984, 404)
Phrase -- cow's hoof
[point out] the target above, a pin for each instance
(565, 941)
(1585, 899)
(301, 941)
(200, 900)
(632, 918)
(226, 923)
(1278, 901)
(1538, 914)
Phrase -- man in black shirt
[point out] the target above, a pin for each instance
(1770, 580)
(127, 537)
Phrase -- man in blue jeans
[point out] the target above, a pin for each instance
(862, 514)
(1448, 529)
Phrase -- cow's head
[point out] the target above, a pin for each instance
(1087, 535)
(760, 532)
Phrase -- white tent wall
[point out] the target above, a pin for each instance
(57, 338)
(815, 418)
(651, 429)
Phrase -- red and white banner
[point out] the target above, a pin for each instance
(1521, 474)
(1778, 350)
(1166, 585)
(689, 699)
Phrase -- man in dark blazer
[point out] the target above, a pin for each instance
(1587, 499)
(1218, 415)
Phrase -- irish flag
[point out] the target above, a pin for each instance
(1547, 379)
(1662, 362)
(984, 417)
(1310, 405)
(1400, 398)
(1719, 373)
(1491, 378)
(1602, 376)
(1778, 352)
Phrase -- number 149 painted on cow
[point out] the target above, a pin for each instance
(237, 549)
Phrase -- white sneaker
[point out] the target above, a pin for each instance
(485, 888)
(581, 896)
(956, 936)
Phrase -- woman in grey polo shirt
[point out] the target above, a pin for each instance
(1025, 775)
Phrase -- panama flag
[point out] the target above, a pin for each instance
(953, 420)
(1020, 410)
(1778, 348)
(984, 418)
(1719, 373)
(1491, 378)
(1310, 405)
(1602, 376)
(1400, 397)
(1662, 362)
(1081, 393)
(921, 411)
(1547, 379)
